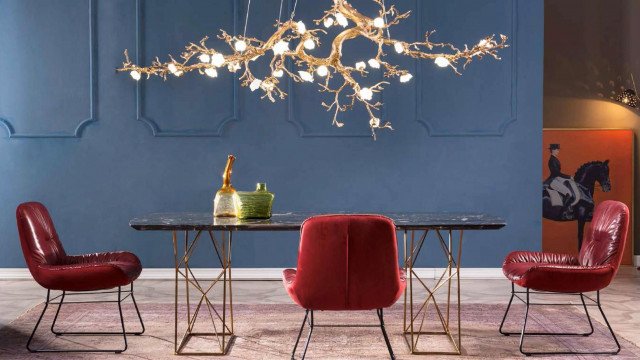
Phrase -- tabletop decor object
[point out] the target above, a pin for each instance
(254, 204)
(224, 204)
(293, 41)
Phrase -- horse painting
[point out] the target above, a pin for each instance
(580, 210)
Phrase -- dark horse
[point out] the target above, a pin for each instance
(586, 177)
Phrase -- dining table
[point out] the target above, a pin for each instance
(187, 229)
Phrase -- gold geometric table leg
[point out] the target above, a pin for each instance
(413, 321)
(222, 325)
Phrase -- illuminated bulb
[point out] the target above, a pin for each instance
(405, 78)
(217, 59)
(205, 58)
(342, 20)
(485, 43)
(366, 93)
(309, 44)
(322, 70)
(178, 73)
(280, 47)
(378, 22)
(233, 67)
(625, 100)
(328, 22)
(374, 122)
(135, 75)
(255, 84)
(240, 45)
(374, 63)
(278, 73)
(306, 76)
(211, 72)
(442, 61)
(173, 68)
(301, 27)
(399, 47)
(360, 65)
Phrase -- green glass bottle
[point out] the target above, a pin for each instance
(255, 204)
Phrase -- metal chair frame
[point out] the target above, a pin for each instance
(308, 318)
(124, 333)
(528, 303)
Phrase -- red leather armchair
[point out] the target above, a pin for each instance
(53, 269)
(345, 262)
(592, 270)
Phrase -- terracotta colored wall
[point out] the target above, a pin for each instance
(590, 49)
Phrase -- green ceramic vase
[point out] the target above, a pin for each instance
(255, 204)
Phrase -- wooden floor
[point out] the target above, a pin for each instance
(621, 300)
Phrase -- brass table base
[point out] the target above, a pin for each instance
(221, 322)
(413, 321)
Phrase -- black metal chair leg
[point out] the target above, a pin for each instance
(586, 311)
(91, 333)
(524, 325)
(46, 305)
(135, 304)
(293, 353)
(513, 294)
(123, 333)
(306, 346)
(529, 353)
(613, 335)
(384, 333)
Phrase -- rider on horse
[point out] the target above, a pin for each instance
(563, 184)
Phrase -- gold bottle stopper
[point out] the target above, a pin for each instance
(224, 202)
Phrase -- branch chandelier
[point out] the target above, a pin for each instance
(292, 40)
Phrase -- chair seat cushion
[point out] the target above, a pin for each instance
(99, 271)
(554, 272)
(289, 279)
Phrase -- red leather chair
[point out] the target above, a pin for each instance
(345, 262)
(592, 270)
(53, 269)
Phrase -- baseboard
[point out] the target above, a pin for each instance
(263, 273)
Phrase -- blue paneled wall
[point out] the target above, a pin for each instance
(97, 149)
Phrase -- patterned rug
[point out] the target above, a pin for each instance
(269, 332)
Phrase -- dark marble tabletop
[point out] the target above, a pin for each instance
(291, 221)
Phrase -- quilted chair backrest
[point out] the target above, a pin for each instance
(606, 237)
(38, 237)
(348, 262)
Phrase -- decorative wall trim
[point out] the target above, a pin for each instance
(426, 121)
(262, 273)
(140, 93)
(77, 132)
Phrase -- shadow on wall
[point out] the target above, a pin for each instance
(591, 48)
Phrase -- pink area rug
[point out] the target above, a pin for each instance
(269, 332)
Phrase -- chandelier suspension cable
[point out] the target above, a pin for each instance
(246, 19)
(280, 12)
(386, 23)
(293, 12)
(634, 85)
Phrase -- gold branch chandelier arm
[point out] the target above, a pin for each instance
(292, 41)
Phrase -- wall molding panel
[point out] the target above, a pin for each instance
(8, 122)
(427, 120)
(155, 127)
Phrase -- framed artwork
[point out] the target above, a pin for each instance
(581, 168)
